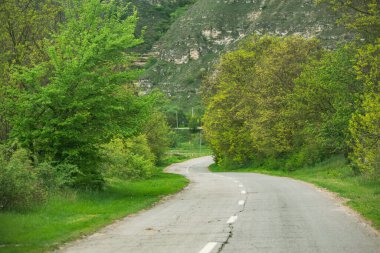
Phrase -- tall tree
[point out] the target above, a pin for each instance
(246, 98)
(25, 25)
(86, 100)
(366, 121)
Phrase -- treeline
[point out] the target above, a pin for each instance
(70, 115)
(288, 102)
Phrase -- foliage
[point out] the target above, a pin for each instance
(130, 159)
(25, 25)
(20, 186)
(77, 99)
(361, 16)
(157, 132)
(69, 216)
(246, 115)
(322, 102)
(215, 27)
(365, 122)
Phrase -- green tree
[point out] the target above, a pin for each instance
(246, 98)
(25, 25)
(362, 16)
(324, 98)
(365, 122)
(78, 98)
(227, 94)
(157, 132)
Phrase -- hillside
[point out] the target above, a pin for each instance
(155, 18)
(194, 41)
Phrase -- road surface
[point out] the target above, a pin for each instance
(236, 212)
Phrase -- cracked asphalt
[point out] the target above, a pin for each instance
(236, 212)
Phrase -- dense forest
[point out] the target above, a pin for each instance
(288, 102)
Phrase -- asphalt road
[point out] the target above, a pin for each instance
(237, 212)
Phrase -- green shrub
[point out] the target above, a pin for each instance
(130, 159)
(157, 132)
(20, 186)
(59, 176)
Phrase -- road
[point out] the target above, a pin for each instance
(236, 212)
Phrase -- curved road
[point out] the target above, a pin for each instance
(236, 212)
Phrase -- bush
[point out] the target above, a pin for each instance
(158, 133)
(59, 176)
(131, 159)
(20, 186)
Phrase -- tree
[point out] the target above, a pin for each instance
(246, 111)
(25, 25)
(78, 99)
(364, 125)
(362, 16)
(227, 95)
(324, 98)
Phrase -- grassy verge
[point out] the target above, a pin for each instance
(335, 175)
(67, 216)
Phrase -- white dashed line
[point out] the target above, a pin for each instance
(240, 185)
(236, 181)
(232, 219)
(243, 192)
(241, 202)
(208, 247)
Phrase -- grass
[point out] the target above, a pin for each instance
(189, 146)
(65, 217)
(334, 175)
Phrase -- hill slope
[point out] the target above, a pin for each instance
(195, 40)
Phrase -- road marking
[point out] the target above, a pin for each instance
(209, 247)
(243, 192)
(232, 219)
(240, 185)
(236, 181)
(241, 202)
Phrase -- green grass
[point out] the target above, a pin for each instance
(334, 175)
(67, 216)
(189, 146)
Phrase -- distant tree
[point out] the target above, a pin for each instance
(157, 132)
(361, 16)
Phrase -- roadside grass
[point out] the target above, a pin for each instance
(335, 175)
(69, 215)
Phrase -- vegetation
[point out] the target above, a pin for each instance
(288, 103)
(80, 142)
(187, 145)
(70, 113)
(212, 28)
(72, 214)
